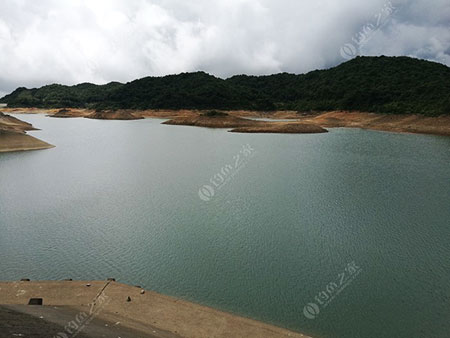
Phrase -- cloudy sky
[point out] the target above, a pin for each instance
(73, 41)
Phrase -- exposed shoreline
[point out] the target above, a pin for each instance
(239, 124)
(11, 142)
(147, 312)
(13, 136)
(282, 128)
(417, 124)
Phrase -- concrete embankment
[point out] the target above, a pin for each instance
(111, 309)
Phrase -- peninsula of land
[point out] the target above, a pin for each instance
(13, 135)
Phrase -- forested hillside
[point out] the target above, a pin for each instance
(373, 84)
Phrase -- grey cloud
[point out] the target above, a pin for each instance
(99, 41)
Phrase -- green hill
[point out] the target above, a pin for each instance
(374, 84)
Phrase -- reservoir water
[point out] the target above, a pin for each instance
(345, 234)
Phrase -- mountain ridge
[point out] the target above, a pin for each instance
(392, 85)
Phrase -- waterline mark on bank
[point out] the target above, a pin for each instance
(331, 290)
(352, 49)
(240, 160)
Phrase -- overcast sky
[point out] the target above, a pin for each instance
(73, 41)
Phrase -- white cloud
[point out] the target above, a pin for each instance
(99, 41)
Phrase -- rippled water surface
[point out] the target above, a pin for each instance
(120, 199)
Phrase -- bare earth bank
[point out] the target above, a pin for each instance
(132, 308)
(13, 135)
(244, 125)
(283, 128)
(394, 123)
(418, 124)
(113, 115)
(21, 142)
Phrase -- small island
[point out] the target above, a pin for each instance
(113, 115)
(218, 119)
(282, 128)
(211, 119)
(65, 113)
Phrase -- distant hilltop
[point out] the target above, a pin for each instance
(391, 85)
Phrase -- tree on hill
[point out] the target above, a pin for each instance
(392, 85)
